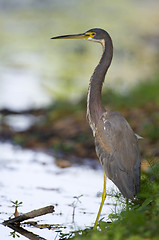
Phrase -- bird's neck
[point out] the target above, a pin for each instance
(95, 107)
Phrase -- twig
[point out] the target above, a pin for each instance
(25, 233)
(33, 111)
(32, 214)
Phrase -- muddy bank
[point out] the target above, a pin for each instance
(66, 132)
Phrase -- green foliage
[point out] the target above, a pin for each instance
(16, 203)
(151, 129)
(17, 139)
(140, 104)
(63, 146)
(140, 222)
(154, 170)
(14, 234)
(147, 92)
(143, 93)
(61, 108)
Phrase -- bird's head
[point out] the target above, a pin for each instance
(94, 34)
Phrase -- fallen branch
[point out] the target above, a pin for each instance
(25, 233)
(32, 111)
(32, 214)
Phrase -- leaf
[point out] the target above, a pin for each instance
(145, 204)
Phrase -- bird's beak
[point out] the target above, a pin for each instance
(73, 36)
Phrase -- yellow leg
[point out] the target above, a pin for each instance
(101, 205)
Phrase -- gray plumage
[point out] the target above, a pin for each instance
(117, 149)
(115, 142)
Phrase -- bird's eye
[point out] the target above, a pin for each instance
(90, 34)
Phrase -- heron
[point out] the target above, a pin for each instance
(116, 143)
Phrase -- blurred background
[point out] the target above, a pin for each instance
(43, 88)
(35, 70)
(39, 73)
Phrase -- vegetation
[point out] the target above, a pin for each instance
(140, 106)
(64, 67)
(140, 222)
(64, 129)
(16, 205)
(63, 126)
(146, 92)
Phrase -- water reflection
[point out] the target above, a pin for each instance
(23, 232)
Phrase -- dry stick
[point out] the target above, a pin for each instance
(33, 111)
(32, 214)
(25, 233)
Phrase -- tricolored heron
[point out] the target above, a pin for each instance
(115, 142)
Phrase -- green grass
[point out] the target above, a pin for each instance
(144, 98)
(140, 107)
(142, 219)
(142, 94)
(140, 222)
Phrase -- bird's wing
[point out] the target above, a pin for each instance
(117, 149)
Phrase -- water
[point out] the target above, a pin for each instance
(29, 59)
(22, 89)
(33, 178)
